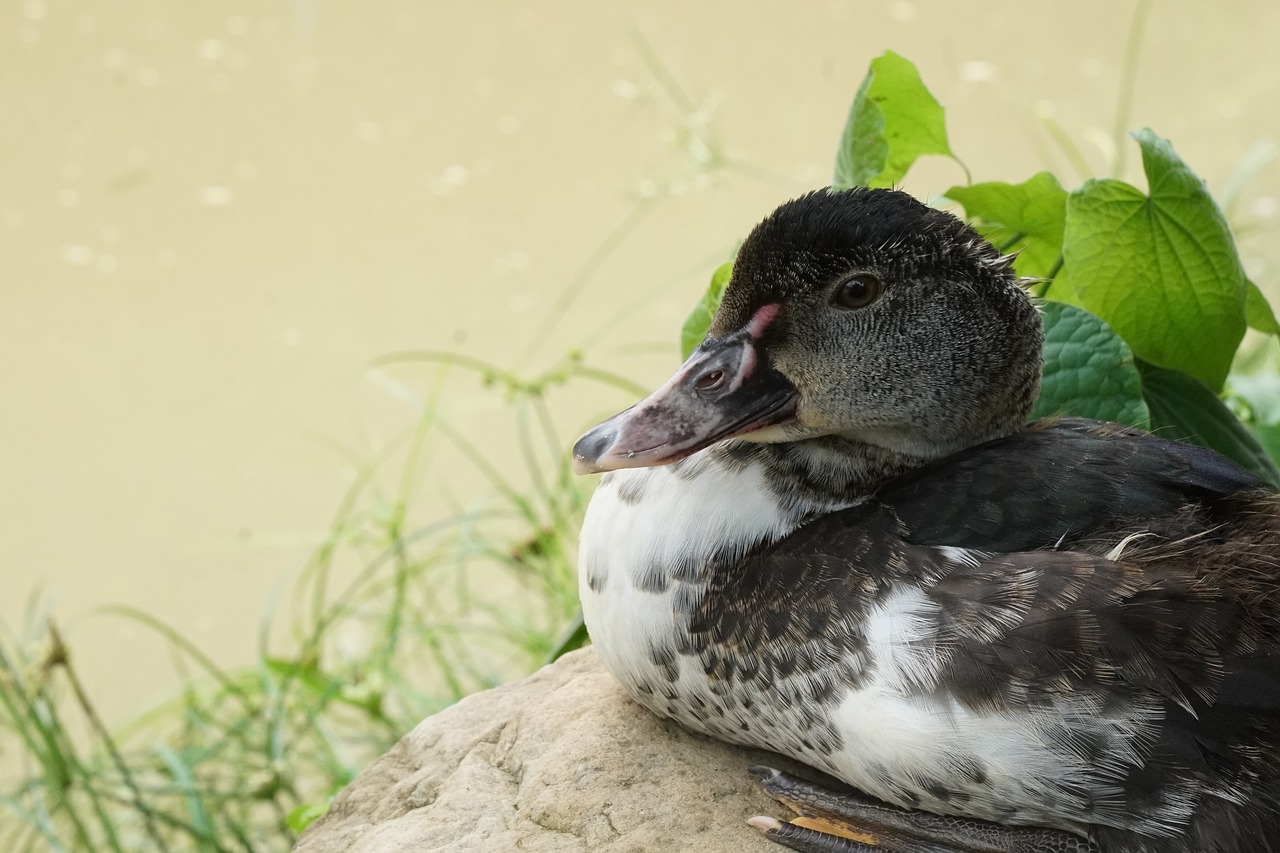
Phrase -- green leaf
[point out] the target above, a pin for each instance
(1029, 218)
(1161, 268)
(699, 319)
(304, 815)
(1088, 370)
(1257, 310)
(1182, 408)
(894, 120)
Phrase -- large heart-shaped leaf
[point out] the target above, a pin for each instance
(1161, 268)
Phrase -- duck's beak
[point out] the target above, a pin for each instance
(727, 388)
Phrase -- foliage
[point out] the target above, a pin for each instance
(1089, 371)
(1161, 267)
(1029, 218)
(699, 319)
(894, 121)
(394, 618)
(1147, 300)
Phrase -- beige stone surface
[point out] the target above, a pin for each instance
(561, 762)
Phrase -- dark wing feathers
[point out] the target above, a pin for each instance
(1053, 486)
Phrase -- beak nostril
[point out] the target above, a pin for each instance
(709, 381)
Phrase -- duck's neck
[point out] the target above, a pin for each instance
(647, 528)
(819, 474)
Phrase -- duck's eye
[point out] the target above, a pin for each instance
(858, 291)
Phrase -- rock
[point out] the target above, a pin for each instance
(561, 762)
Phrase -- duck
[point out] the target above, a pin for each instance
(834, 534)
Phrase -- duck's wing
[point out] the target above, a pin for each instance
(1154, 572)
(1176, 641)
(1060, 482)
(1191, 622)
(1150, 678)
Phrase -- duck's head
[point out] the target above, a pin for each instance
(860, 314)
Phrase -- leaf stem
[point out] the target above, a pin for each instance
(60, 656)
